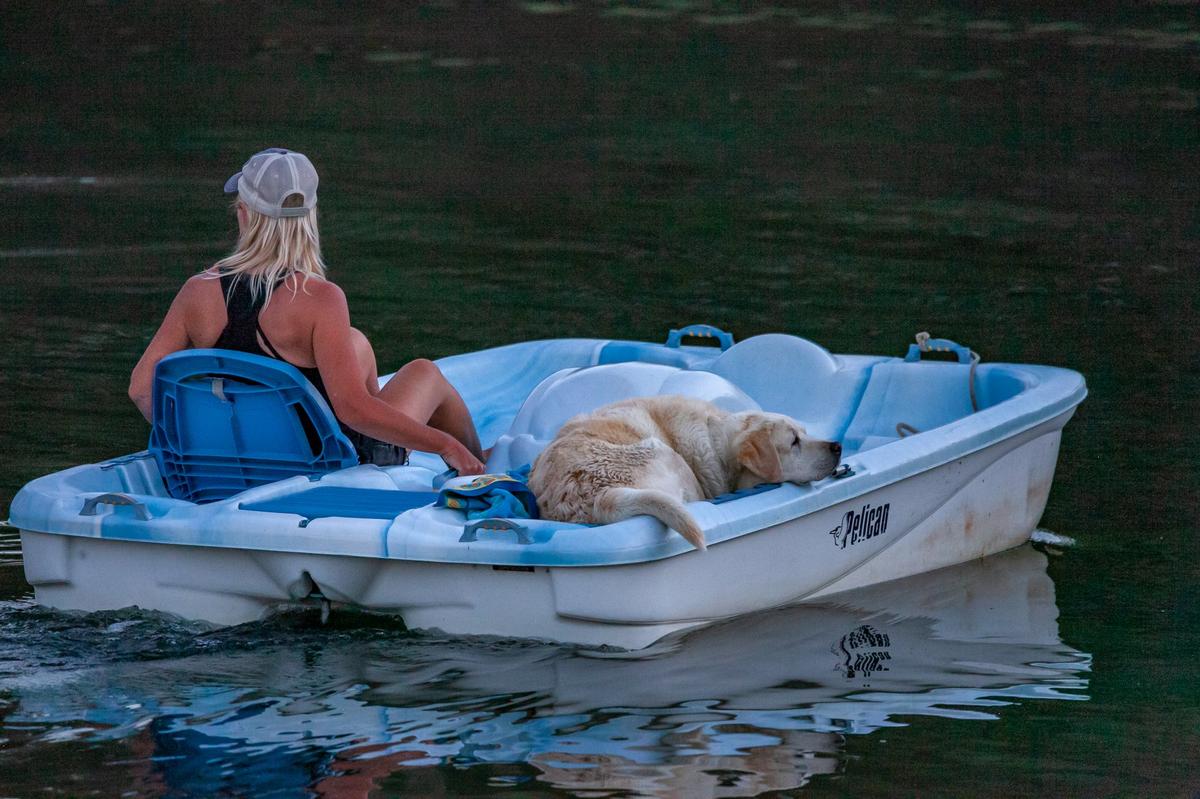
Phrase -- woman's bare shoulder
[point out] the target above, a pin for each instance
(318, 292)
(201, 287)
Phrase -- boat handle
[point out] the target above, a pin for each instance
(927, 344)
(675, 337)
(139, 509)
(441, 479)
(470, 531)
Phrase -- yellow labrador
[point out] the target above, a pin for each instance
(652, 454)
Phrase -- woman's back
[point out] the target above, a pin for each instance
(286, 322)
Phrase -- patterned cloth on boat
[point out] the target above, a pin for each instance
(490, 496)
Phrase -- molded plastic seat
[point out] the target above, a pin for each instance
(791, 375)
(920, 395)
(225, 421)
(569, 392)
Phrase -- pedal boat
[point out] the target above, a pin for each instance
(250, 497)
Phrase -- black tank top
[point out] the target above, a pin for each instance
(242, 330)
(242, 333)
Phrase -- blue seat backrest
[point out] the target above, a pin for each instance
(792, 375)
(225, 421)
(922, 395)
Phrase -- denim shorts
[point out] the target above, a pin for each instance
(372, 450)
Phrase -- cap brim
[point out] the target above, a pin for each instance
(231, 185)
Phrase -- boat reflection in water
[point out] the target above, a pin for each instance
(755, 704)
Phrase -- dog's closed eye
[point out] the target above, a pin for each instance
(796, 442)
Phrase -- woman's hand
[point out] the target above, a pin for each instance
(459, 457)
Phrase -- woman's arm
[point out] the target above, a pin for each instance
(333, 348)
(172, 336)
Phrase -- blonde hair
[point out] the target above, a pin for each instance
(270, 250)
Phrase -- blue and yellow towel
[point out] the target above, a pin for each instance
(490, 496)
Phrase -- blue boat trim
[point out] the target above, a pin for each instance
(744, 492)
(344, 502)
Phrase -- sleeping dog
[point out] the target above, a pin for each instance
(652, 454)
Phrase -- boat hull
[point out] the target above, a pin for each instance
(976, 505)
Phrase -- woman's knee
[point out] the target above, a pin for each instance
(421, 375)
(418, 389)
(423, 369)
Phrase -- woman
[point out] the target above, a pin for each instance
(270, 297)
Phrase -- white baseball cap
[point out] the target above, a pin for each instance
(272, 176)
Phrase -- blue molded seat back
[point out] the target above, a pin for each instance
(225, 421)
(921, 395)
(792, 375)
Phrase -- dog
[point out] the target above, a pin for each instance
(650, 455)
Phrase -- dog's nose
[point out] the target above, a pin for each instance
(835, 448)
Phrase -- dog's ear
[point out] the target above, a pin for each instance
(757, 453)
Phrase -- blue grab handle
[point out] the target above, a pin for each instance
(471, 531)
(937, 345)
(440, 480)
(115, 498)
(675, 337)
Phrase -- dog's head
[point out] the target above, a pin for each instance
(777, 449)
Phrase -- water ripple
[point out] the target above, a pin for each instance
(768, 697)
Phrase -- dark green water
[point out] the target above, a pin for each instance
(1020, 177)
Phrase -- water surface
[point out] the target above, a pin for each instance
(769, 702)
(1021, 178)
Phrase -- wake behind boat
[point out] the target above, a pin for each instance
(250, 497)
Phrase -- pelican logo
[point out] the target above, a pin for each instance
(860, 525)
(863, 652)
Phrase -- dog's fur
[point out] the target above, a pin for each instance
(651, 454)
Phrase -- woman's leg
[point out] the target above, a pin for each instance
(420, 391)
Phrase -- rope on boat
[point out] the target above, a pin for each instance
(923, 342)
(904, 429)
(975, 359)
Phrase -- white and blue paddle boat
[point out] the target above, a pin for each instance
(250, 497)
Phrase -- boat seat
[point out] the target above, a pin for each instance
(793, 376)
(570, 392)
(226, 421)
(920, 395)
